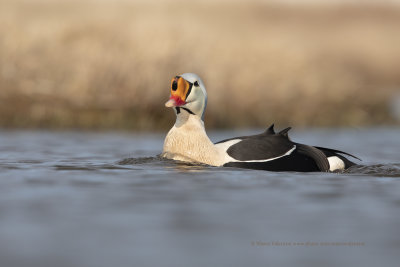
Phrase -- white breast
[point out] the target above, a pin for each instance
(188, 141)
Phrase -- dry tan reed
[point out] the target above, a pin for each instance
(107, 64)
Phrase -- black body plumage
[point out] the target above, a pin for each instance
(276, 152)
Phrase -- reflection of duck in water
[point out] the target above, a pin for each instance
(188, 141)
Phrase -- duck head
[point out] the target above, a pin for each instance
(188, 94)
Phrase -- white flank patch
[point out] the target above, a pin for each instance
(223, 147)
(335, 163)
(226, 145)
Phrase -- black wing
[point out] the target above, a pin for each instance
(261, 146)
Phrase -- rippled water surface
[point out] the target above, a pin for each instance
(90, 199)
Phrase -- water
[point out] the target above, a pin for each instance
(90, 199)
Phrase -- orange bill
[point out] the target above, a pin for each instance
(180, 89)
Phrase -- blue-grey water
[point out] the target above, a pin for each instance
(106, 199)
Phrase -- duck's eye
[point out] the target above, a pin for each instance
(174, 85)
(196, 83)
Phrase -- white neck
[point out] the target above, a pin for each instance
(188, 141)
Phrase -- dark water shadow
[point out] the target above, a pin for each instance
(164, 162)
(141, 160)
(88, 167)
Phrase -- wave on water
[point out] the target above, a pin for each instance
(380, 170)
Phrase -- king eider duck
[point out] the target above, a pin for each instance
(187, 140)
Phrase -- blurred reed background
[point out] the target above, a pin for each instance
(107, 64)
